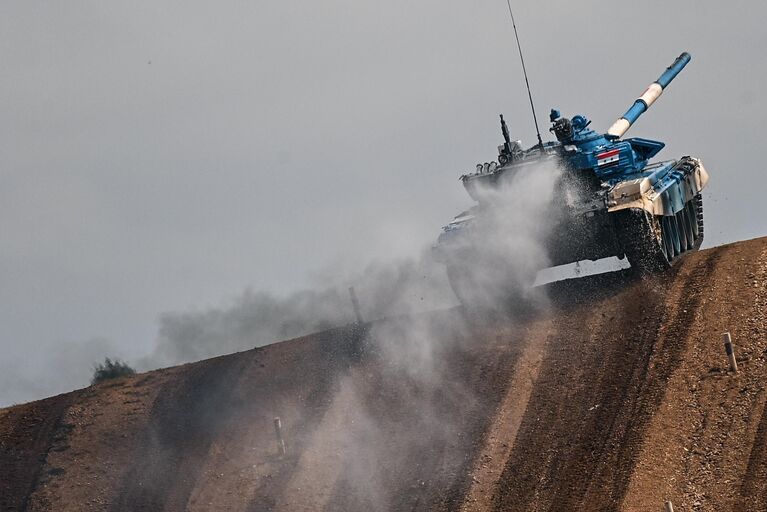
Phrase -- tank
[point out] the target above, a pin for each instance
(607, 198)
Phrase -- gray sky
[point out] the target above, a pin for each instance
(164, 156)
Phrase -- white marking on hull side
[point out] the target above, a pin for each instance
(639, 193)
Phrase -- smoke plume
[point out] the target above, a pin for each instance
(257, 318)
(412, 365)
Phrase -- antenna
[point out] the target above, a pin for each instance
(524, 70)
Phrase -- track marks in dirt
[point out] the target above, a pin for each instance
(103, 427)
(695, 446)
(400, 437)
(632, 405)
(648, 383)
(28, 434)
(753, 490)
(597, 390)
(184, 421)
(298, 383)
(502, 432)
(210, 442)
(747, 398)
(322, 461)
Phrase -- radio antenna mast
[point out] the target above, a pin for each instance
(524, 71)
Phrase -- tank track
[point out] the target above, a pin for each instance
(654, 243)
(488, 292)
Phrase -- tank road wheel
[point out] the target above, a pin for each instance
(674, 233)
(644, 242)
(667, 230)
(653, 243)
(692, 221)
(697, 209)
(684, 231)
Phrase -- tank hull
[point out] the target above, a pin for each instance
(592, 223)
(596, 231)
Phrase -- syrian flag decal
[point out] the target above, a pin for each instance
(608, 157)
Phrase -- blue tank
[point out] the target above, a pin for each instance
(607, 198)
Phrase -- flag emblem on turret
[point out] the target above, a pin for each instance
(608, 157)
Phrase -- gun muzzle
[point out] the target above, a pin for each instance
(654, 90)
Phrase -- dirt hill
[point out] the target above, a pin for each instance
(613, 393)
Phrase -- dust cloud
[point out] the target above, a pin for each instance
(510, 239)
(410, 361)
(257, 318)
(506, 244)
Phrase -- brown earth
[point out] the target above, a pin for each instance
(612, 394)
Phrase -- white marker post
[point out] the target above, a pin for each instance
(278, 431)
(728, 347)
(669, 507)
(355, 305)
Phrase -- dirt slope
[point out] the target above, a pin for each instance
(613, 394)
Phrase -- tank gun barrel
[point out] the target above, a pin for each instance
(654, 90)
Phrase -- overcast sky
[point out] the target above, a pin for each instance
(164, 156)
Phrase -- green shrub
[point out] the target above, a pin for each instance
(110, 370)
